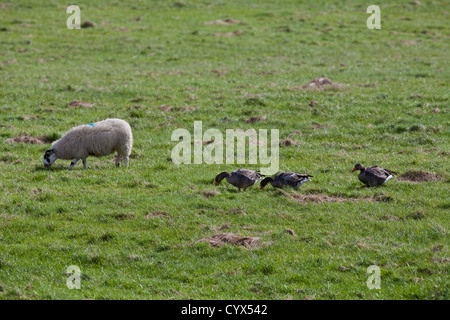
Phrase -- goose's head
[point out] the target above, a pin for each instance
(359, 167)
(220, 177)
(264, 182)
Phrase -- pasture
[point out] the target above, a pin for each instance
(157, 230)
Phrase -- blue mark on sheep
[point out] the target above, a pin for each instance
(91, 124)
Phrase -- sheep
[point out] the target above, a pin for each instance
(95, 139)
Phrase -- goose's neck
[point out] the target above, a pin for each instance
(223, 175)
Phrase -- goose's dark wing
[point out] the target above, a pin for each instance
(243, 178)
(375, 176)
(292, 179)
(250, 174)
(378, 172)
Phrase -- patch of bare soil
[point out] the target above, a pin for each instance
(78, 103)
(219, 73)
(389, 217)
(409, 42)
(44, 60)
(9, 158)
(155, 214)
(29, 117)
(419, 176)
(291, 232)
(165, 124)
(210, 193)
(235, 239)
(169, 72)
(316, 197)
(441, 260)
(223, 22)
(319, 84)
(222, 227)
(26, 138)
(255, 119)
(289, 142)
(316, 126)
(9, 61)
(166, 108)
(236, 33)
(427, 150)
(233, 211)
(361, 244)
(5, 5)
(296, 132)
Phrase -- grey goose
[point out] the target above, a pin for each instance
(372, 176)
(291, 179)
(241, 178)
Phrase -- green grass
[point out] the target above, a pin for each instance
(141, 55)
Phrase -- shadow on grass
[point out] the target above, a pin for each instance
(53, 168)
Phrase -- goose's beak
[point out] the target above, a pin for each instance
(261, 188)
(216, 183)
(354, 169)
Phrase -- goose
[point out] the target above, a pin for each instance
(291, 179)
(372, 176)
(241, 178)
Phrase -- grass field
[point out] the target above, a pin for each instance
(137, 232)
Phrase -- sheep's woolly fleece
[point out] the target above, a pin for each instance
(95, 139)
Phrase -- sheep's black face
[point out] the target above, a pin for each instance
(49, 157)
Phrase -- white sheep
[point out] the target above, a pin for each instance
(95, 139)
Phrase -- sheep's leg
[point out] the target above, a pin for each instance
(73, 163)
(125, 163)
(84, 163)
(118, 160)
